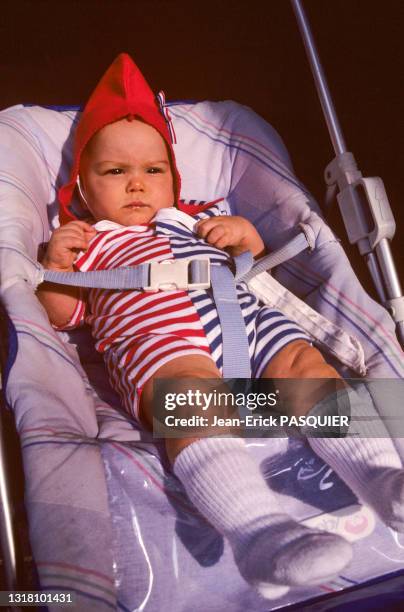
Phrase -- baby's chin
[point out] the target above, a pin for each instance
(135, 216)
(131, 215)
(137, 219)
(140, 215)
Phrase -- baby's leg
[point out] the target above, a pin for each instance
(370, 466)
(224, 482)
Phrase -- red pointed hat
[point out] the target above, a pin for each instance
(122, 91)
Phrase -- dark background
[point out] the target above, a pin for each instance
(54, 51)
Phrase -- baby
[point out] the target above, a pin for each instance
(128, 180)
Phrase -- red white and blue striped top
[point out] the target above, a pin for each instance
(138, 331)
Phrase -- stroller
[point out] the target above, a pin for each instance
(108, 521)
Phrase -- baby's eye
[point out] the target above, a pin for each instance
(154, 170)
(114, 171)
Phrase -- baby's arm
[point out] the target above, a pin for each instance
(59, 301)
(235, 234)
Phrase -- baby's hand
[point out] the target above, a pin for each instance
(65, 243)
(235, 233)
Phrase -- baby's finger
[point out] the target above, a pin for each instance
(75, 232)
(222, 243)
(73, 244)
(83, 225)
(79, 244)
(205, 225)
(215, 234)
(71, 234)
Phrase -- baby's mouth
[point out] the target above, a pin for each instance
(136, 205)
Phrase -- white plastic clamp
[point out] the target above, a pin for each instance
(178, 274)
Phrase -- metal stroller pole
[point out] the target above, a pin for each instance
(363, 202)
(6, 522)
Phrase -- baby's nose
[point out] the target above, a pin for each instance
(135, 183)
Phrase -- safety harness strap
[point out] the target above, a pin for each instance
(236, 353)
(167, 274)
(243, 264)
(196, 273)
(295, 246)
(192, 273)
(122, 278)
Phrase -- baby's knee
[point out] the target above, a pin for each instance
(299, 359)
(287, 361)
(308, 362)
(180, 375)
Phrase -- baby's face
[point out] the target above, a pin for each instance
(125, 173)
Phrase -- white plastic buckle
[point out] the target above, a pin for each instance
(175, 273)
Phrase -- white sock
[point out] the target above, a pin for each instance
(371, 465)
(272, 551)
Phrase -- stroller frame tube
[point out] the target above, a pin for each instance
(363, 202)
(6, 522)
(323, 91)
